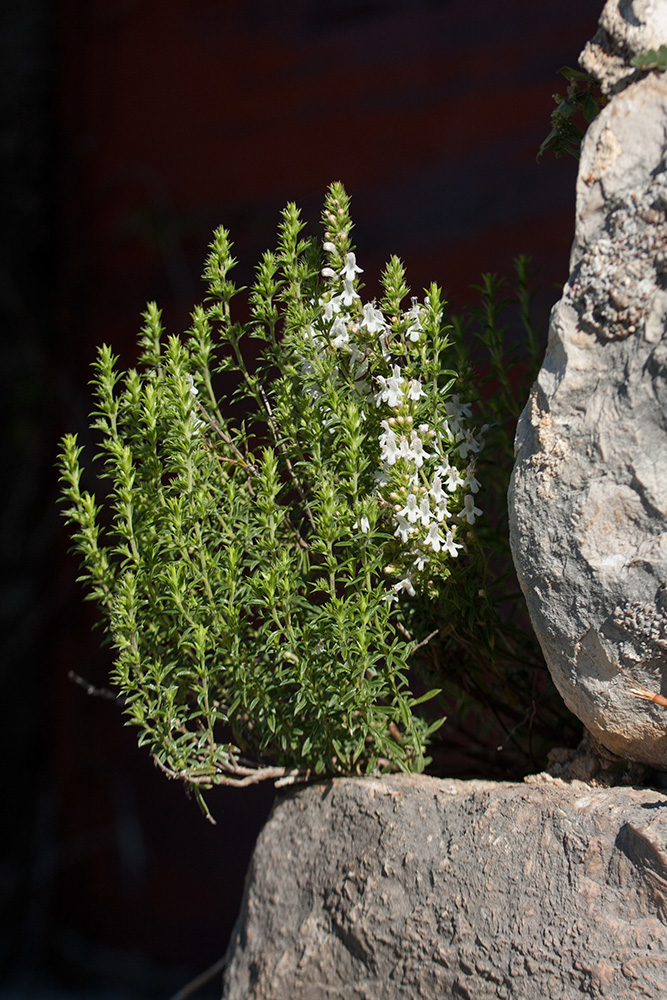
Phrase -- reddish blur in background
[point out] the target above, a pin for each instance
(130, 129)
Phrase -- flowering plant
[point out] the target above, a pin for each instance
(261, 576)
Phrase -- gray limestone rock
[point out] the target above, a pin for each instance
(588, 499)
(409, 886)
(626, 29)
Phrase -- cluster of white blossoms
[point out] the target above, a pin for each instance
(426, 480)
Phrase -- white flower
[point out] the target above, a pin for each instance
(451, 546)
(452, 475)
(421, 560)
(469, 512)
(405, 585)
(433, 537)
(389, 449)
(348, 295)
(417, 452)
(442, 510)
(415, 390)
(363, 524)
(328, 272)
(467, 442)
(329, 247)
(351, 267)
(373, 319)
(340, 335)
(425, 512)
(456, 409)
(440, 497)
(331, 307)
(415, 329)
(470, 481)
(445, 432)
(411, 510)
(194, 423)
(436, 490)
(391, 392)
(403, 531)
(405, 449)
(192, 388)
(358, 359)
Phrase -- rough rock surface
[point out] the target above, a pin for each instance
(588, 500)
(626, 29)
(409, 886)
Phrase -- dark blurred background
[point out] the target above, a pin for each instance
(129, 129)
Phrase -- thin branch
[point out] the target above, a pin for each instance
(425, 641)
(90, 689)
(240, 460)
(294, 778)
(225, 437)
(299, 537)
(238, 777)
(201, 980)
(528, 718)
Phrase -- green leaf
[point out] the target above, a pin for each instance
(653, 59)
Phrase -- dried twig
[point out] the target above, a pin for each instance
(201, 980)
(240, 457)
(425, 641)
(238, 775)
(90, 689)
